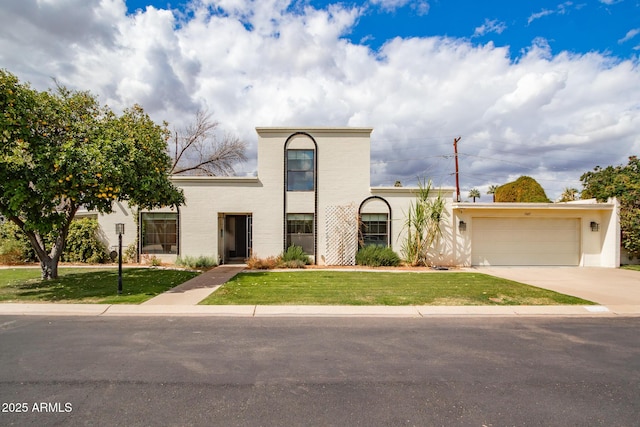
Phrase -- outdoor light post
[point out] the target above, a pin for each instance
(119, 232)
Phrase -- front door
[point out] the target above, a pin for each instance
(235, 237)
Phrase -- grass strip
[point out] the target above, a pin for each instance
(88, 285)
(381, 288)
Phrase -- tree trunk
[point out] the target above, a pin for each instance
(48, 261)
(49, 268)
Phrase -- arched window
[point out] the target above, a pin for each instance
(375, 222)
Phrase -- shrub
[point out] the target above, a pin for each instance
(295, 263)
(255, 263)
(84, 244)
(153, 260)
(294, 253)
(196, 262)
(293, 257)
(377, 256)
(12, 251)
(14, 245)
(131, 253)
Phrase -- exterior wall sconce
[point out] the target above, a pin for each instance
(462, 226)
(595, 226)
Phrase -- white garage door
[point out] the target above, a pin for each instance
(526, 241)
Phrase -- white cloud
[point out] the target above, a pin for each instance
(561, 9)
(490, 26)
(262, 64)
(421, 7)
(538, 15)
(630, 34)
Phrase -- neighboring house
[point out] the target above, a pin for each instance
(313, 189)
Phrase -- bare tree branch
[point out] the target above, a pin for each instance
(198, 151)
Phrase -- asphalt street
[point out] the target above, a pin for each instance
(140, 371)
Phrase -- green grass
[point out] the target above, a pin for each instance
(379, 288)
(88, 285)
(631, 267)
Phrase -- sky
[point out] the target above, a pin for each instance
(548, 89)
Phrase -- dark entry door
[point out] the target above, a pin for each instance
(237, 238)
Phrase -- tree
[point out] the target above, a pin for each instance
(523, 190)
(622, 182)
(569, 195)
(196, 149)
(61, 150)
(492, 191)
(475, 194)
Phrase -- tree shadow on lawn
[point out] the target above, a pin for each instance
(139, 285)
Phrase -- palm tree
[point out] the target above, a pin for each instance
(569, 195)
(492, 190)
(475, 194)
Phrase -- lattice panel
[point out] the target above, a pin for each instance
(342, 235)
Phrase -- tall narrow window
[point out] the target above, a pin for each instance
(300, 170)
(159, 233)
(300, 231)
(375, 229)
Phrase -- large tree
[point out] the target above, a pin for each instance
(197, 149)
(61, 150)
(622, 182)
(523, 190)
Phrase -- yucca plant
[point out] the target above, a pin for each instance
(422, 225)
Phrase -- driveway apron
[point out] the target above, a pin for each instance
(606, 286)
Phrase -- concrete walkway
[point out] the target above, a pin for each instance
(195, 290)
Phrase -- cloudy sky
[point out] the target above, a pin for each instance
(542, 88)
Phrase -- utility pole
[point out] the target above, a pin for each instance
(455, 150)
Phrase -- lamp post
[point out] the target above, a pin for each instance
(119, 232)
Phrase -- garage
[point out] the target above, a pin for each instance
(526, 241)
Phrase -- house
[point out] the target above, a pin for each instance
(312, 189)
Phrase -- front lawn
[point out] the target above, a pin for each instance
(88, 285)
(381, 288)
(631, 267)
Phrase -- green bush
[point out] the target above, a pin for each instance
(14, 245)
(12, 251)
(377, 256)
(196, 262)
(294, 255)
(84, 244)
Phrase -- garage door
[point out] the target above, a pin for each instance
(526, 241)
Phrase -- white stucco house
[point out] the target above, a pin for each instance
(312, 186)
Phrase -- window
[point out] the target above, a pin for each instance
(300, 231)
(375, 229)
(159, 233)
(300, 170)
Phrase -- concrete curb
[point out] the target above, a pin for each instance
(106, 310)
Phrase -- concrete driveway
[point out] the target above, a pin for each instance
(606, 286)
